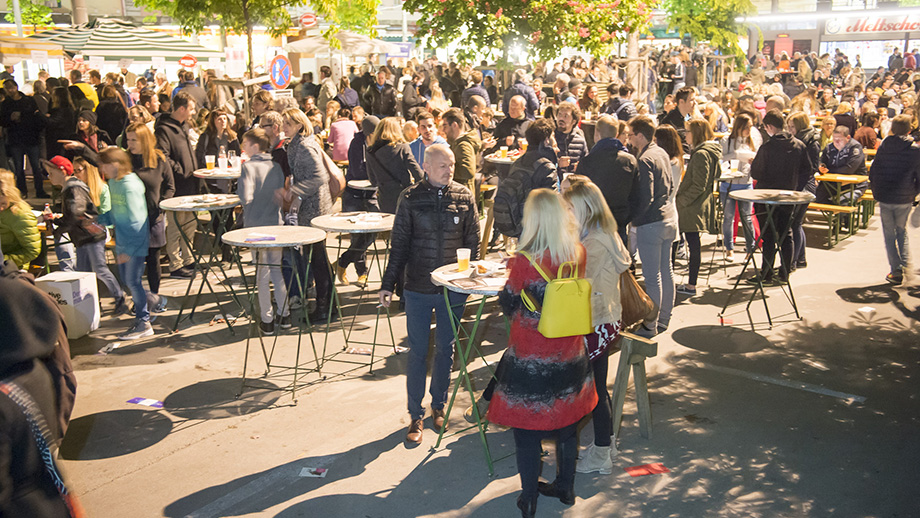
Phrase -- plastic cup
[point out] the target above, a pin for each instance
(209, 161)
(222, 162)
(588, 116)
(523, 144)
(463, 259)
(734, 164)
(504, 151)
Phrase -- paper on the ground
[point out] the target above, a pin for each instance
(153, 403)
(366, 351)
(109, 348)
(647, 469)
(314, 472)
(866, 310)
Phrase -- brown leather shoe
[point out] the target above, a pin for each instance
(415, 432)
(437, 420)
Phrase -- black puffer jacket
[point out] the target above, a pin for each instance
(172, 139)
(572, 145)
(895, 172)
(76, 206)
(534, 170)
(431, 224)
(392, 168)
(780, 162)
(615, 171)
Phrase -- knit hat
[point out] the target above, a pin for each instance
(64, 164)
(89, 116)
(369, 124)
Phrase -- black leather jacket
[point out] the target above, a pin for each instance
(431, 224)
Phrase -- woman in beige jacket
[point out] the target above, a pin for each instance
(607, 259)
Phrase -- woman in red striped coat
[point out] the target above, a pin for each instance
(545, 385)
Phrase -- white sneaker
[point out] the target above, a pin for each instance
(596, 458)
(140, 330)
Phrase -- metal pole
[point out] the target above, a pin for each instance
(80, 15)
(17, 14)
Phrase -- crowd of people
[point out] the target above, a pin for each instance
(420, 134)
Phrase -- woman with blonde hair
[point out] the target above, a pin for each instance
(390, 163)
(19, 237)
(607, 259)
(437, 100)
(843, 116)
(544, 386)
(309, 184)
(129, 216)
(827, 131)
(694, 196)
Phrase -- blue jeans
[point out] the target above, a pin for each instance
(654, 243)
(894, 231)
(728, 215)
(418, 325)
(65, 252)
(131, 273)
(91, 258)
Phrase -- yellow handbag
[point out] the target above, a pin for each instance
(566, 309)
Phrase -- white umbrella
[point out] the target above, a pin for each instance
(353, 44)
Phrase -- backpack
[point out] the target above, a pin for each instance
(566, 306)
(510, 196)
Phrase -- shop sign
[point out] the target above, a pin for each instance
(872, 25)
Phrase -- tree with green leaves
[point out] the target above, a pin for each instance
(36, 15)
(714, 21)
(240, 16)
(540, 27)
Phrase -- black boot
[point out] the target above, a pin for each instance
(567, 497)
(528, 507)
(321, 315)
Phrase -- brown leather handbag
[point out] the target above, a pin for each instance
(637, 305)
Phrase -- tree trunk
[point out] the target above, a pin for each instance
(248, 35)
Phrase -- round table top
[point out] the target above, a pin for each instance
(217, 174)
(732, 175)
(489, 285)
(198, 202)
(284, 236)
(496, 158)
(355, 222)
(773, 196)
(361, 185)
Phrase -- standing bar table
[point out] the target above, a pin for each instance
(361, 223)
(771, 198)
(485, 288)
(219, 206)
(277, 236)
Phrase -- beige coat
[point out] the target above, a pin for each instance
(607, 259)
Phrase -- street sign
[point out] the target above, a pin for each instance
(280, 72)
(308, 19)
(188, 61)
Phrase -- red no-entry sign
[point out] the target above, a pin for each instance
(308, 19)
(280, 72)
(188, 61)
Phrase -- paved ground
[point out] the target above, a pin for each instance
(817, 417)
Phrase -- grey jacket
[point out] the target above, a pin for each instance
(256, 188)
(652, 199)
(310, 180)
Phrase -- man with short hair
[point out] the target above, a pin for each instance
(895, 180)
(779, 164)
(173, 140)
(520, 87)
(610, 166)
(622, 106)
(533, 170)
(380, 97)
(654, 217)
(685, 98)
(561, 88)
(427, 136)
(188, 85)
(412, 100)
(270, 122)
(151, 101)
(569, 138)
(511, 129)
(327, 88)
(843, 155)
(307, 86)
(434, 218)
(76, 79)
(465, 144)
(475, 89)
(23, 123)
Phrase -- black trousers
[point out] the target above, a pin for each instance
(775, 236)
(528, 449)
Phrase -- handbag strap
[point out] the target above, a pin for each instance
(535, 265)
(42, 435)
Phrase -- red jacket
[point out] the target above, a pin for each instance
(543, 383)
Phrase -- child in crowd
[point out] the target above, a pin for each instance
(132, 228)
(260, 178)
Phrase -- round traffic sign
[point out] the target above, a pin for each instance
(280, 72)
(308, 19)
(188, 61)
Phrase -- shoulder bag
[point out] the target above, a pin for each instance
(637, 305)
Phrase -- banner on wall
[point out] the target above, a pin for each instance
(872, 25)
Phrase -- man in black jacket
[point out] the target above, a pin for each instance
(779, 164)
(570, 140)
(381, 97)
(20, 117)
(612, 169)
(535, 169)
(412, 100)
(172, 138)
(843, 155)
(434, 218)
(895, 180)
(686, 102)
